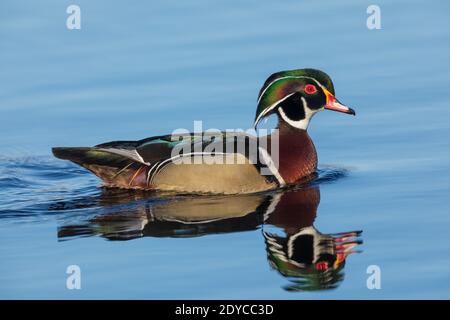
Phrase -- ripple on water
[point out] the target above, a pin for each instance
(29, 185)
(34, 186)
(329, 174)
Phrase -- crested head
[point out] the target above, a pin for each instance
(296, 95)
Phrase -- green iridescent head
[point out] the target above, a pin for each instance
(296, 95)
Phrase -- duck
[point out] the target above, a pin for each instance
(223, 162)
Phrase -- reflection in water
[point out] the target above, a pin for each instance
(309, 259)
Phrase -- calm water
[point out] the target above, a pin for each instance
(139, 70)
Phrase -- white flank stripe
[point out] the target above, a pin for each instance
(273, 205)
(269, 163)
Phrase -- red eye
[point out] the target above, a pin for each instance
(310, 89)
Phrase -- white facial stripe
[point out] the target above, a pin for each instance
(300, 124)
(267, 110)
(288, 77)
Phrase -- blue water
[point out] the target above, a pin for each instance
(143, 69)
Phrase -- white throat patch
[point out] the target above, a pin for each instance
(300, 124)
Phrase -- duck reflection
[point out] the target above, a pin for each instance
(309, 259)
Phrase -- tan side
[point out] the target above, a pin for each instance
(234, 175)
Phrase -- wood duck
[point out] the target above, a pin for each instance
(294, 96)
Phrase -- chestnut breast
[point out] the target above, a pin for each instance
(297, 154)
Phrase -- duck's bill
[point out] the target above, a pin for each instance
(335, 105)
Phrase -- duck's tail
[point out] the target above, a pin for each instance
(114, 169)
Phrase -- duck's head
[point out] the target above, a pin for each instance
(296, 95)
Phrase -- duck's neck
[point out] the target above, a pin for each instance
(297, 154)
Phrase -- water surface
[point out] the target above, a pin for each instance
(143, 69)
